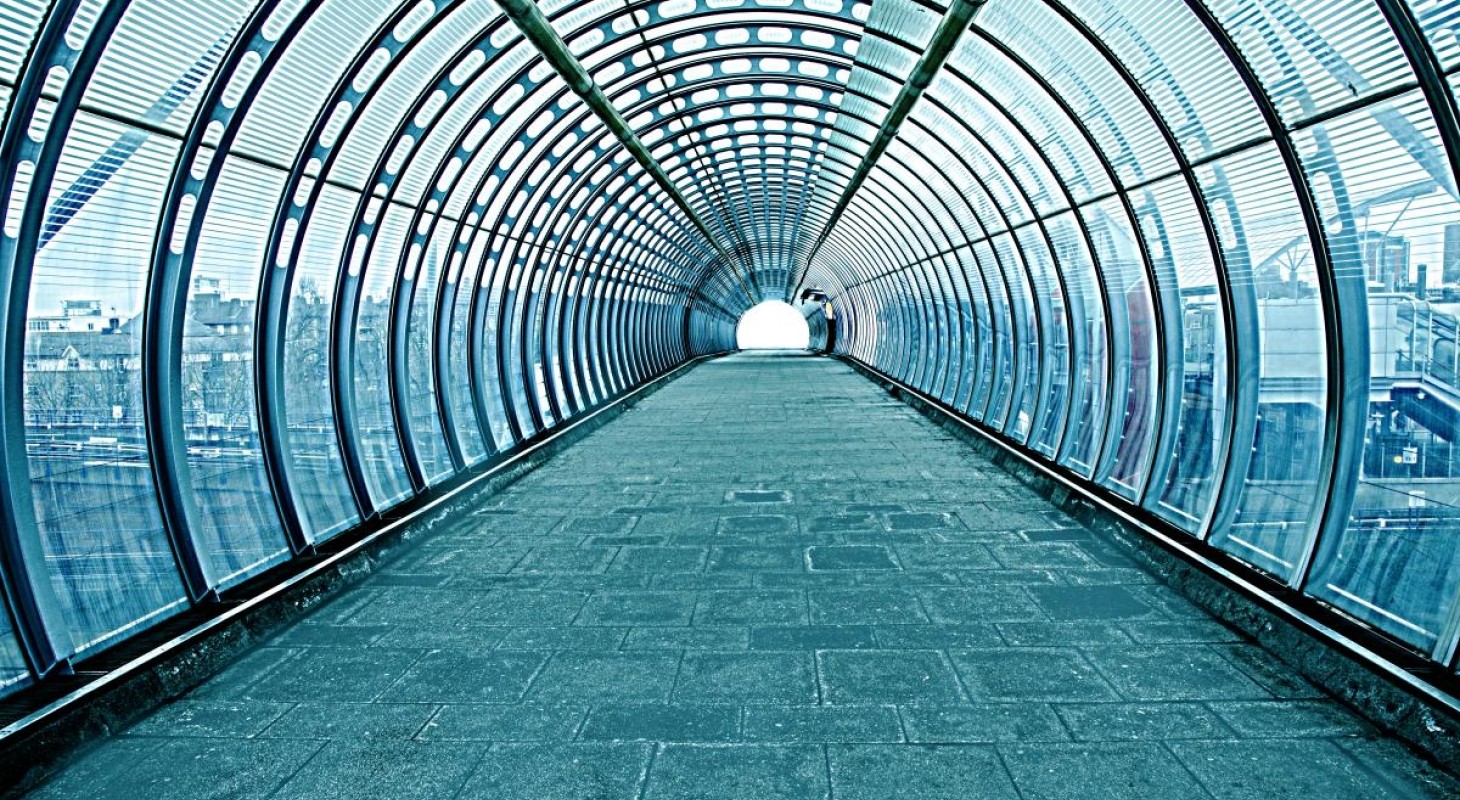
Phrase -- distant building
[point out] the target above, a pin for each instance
(75, 316)
(1450, 262)
(81, 366)
(1386, 260)
(224, 317)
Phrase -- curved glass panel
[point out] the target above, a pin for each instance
(95, 507)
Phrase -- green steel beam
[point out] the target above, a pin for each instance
(955, 22)
(545, 38)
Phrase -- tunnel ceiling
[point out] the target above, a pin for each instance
(270, 269)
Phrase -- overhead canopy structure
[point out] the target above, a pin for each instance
(270, 269)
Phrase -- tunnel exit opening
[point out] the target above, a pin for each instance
(772, 325)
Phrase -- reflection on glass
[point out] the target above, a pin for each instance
(1396, 565)
(110, 561)
(1262, 226)
(313, 442)
(385, 473)
(240, 525)
(425, 419)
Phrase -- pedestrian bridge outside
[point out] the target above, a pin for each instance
(278, 279)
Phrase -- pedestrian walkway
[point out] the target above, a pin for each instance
(769, 579)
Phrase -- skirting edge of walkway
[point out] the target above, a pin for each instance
(205, 639)
(1388, 695)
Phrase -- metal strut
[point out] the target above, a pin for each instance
(545, 38)
(945, 38)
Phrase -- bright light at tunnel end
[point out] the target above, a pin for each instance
(772, 325)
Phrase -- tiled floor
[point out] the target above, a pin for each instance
(767, 580)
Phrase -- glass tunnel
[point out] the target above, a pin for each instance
(270, 269)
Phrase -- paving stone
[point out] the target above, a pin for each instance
(310, 634)
(1110, 576)
(1062, 634)
(519, 607)
(1088, 602)
(223, 719)
(747, 678)
(383, 770)
(660, 560)
(866, 607)
(674, 527)
(466, 637)
(1107, 555)
(235, 679)
(1170, 604)
(1070, 534)
(589, 639)
(826, 558)
(648, 509)
(757, 524)
(516, 722)
(1272, 768)
(738, 772)
(594, 677)
(834, 523)
(1173, 672)
(903, 676)
(598, 583)
(186, 769)
(1187, 631)
(1115, 770)
(705, 637)
(757, 496)
(1058, 555)
(876, 538)
(945, 556)
(1030, 674)
(1285, 719)
(351, 721)
(1010, 577)
(638, 609)
(817, 724)
(982, 517)
(927, 772)
(812, 637)
(554, 559)
(937, 637)
(332, 674)
(558, 772)
(1265, 670)
(919, 521)
(102, 772)
(631, 540)
(755, 559)
(451, 677)
(693, 582)
(810, 580)
(663, 723)
(875, 508)
(1392, 762)
(1109, 722)
(983, 723)
(980, 604)
(762, 607)
(398, 605)
(603, 525)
